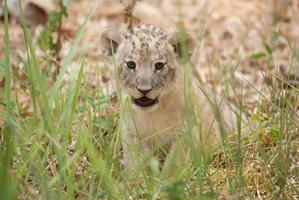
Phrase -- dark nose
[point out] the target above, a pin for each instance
(144, 91)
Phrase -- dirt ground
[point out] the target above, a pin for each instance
(228, 34)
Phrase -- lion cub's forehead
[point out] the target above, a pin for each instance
(147, 40)
(147, 31)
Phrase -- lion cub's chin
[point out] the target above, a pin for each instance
(151, 108)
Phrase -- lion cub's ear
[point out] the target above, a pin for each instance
(183, 44)
(109, 42)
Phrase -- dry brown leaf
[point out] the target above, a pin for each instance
(35, 12)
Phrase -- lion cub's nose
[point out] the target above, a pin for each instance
(144, 91)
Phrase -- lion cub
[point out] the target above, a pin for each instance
(149, 61)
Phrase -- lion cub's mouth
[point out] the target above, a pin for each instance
(145, 102)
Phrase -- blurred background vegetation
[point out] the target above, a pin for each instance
(59, 112)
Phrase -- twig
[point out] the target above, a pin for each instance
(58, 42)
(129, 7)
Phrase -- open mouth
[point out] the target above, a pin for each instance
(145, 102)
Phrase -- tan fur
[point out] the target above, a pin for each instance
(163, 123)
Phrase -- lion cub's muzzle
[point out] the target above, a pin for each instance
(144, 86)
(145, 102)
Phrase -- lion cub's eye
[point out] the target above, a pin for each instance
(131, 65)
(159, 65)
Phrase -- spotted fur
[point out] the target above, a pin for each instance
(146, 45)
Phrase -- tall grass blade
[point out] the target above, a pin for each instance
(69, 56)
(7, 182)
(37, 78)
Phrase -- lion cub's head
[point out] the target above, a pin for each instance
(148, 61)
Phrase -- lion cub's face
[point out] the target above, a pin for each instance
(148, 62)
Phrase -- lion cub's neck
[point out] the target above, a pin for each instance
(165, 118)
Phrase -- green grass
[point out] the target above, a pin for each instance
(69, 147)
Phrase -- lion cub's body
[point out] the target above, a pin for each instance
(160, 124)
